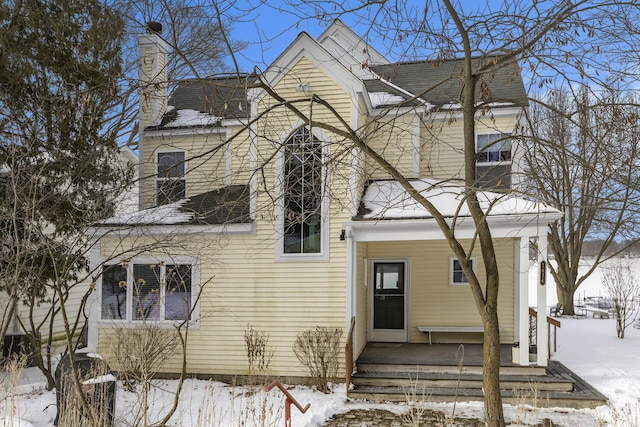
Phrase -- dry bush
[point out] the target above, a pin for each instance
(139, 354)
(13, 368)
(97, 388)
(318, 349)
(258, 353)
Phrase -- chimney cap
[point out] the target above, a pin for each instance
(154, 27)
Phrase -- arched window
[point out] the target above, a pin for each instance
(302, 194)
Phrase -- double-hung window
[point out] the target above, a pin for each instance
(302, 194)
(141, 291)
(493, 164)
(170, 177)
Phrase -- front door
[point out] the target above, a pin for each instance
(388, 314)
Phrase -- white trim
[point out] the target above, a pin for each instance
(156, 174)
(388, 335)
(416, 146)
(193, 131)
(452, 260)
(355, 173)
(163, 230)
(305, 46)
(542, 336)
(253, 162)
(351, 306)
(94, 300)
(427, 228)
(522, 302)
(228, 156)
(280, 255)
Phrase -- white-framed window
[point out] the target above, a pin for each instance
(170, 176)
(302, 188)
(456, 274)
(493, 162)
(144, 290)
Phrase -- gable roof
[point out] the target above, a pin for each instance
(198, 103)
(228, 205)
(437, 82)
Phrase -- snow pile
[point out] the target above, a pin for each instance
(389, 200)
(381, 99)
(170, 213)
(188, 118)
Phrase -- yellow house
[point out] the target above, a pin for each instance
(251, 216)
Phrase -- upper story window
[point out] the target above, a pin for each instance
(493, 164)
(302, 194)
(170, 178)
(147, 292)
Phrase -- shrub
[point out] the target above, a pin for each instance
(318, 349)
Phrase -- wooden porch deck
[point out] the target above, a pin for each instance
(384, 371)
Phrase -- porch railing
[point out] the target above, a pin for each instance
(348, 354)
(533, 327)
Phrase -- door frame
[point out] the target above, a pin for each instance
(386, 335)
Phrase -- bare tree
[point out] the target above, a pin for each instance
(583, 160)
(567, 41)
(622, 287)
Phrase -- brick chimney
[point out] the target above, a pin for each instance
(152, 75)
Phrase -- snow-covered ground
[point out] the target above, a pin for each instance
(587, 346)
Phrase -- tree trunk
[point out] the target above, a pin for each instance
(567, 301)
(494, 415)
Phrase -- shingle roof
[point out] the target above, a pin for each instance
(224, 206)
(223, 97)
(228, 205)
(437, 82)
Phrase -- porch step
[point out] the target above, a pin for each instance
(435, 381)
(558, 386)
(447, 369)
(513, 397)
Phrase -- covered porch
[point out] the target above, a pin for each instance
(395, 237)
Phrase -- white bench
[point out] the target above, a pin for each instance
(450, 329)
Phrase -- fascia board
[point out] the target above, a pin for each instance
(444, 114)
(503, 226)
(167, 132)
(305, 45)
(338, 27)
(168, 230)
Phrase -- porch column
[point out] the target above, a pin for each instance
(542, 332)
(523, 300)
(351, 278)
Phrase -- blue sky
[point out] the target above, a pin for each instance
(268, 31)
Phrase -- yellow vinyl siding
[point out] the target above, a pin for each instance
(243, 284)
(211, 163)
(442, 145)
(392, 137)
(433, 300)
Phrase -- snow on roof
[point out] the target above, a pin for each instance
(186, 118)
(389, 200)
(165, 214)
(380, 99)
